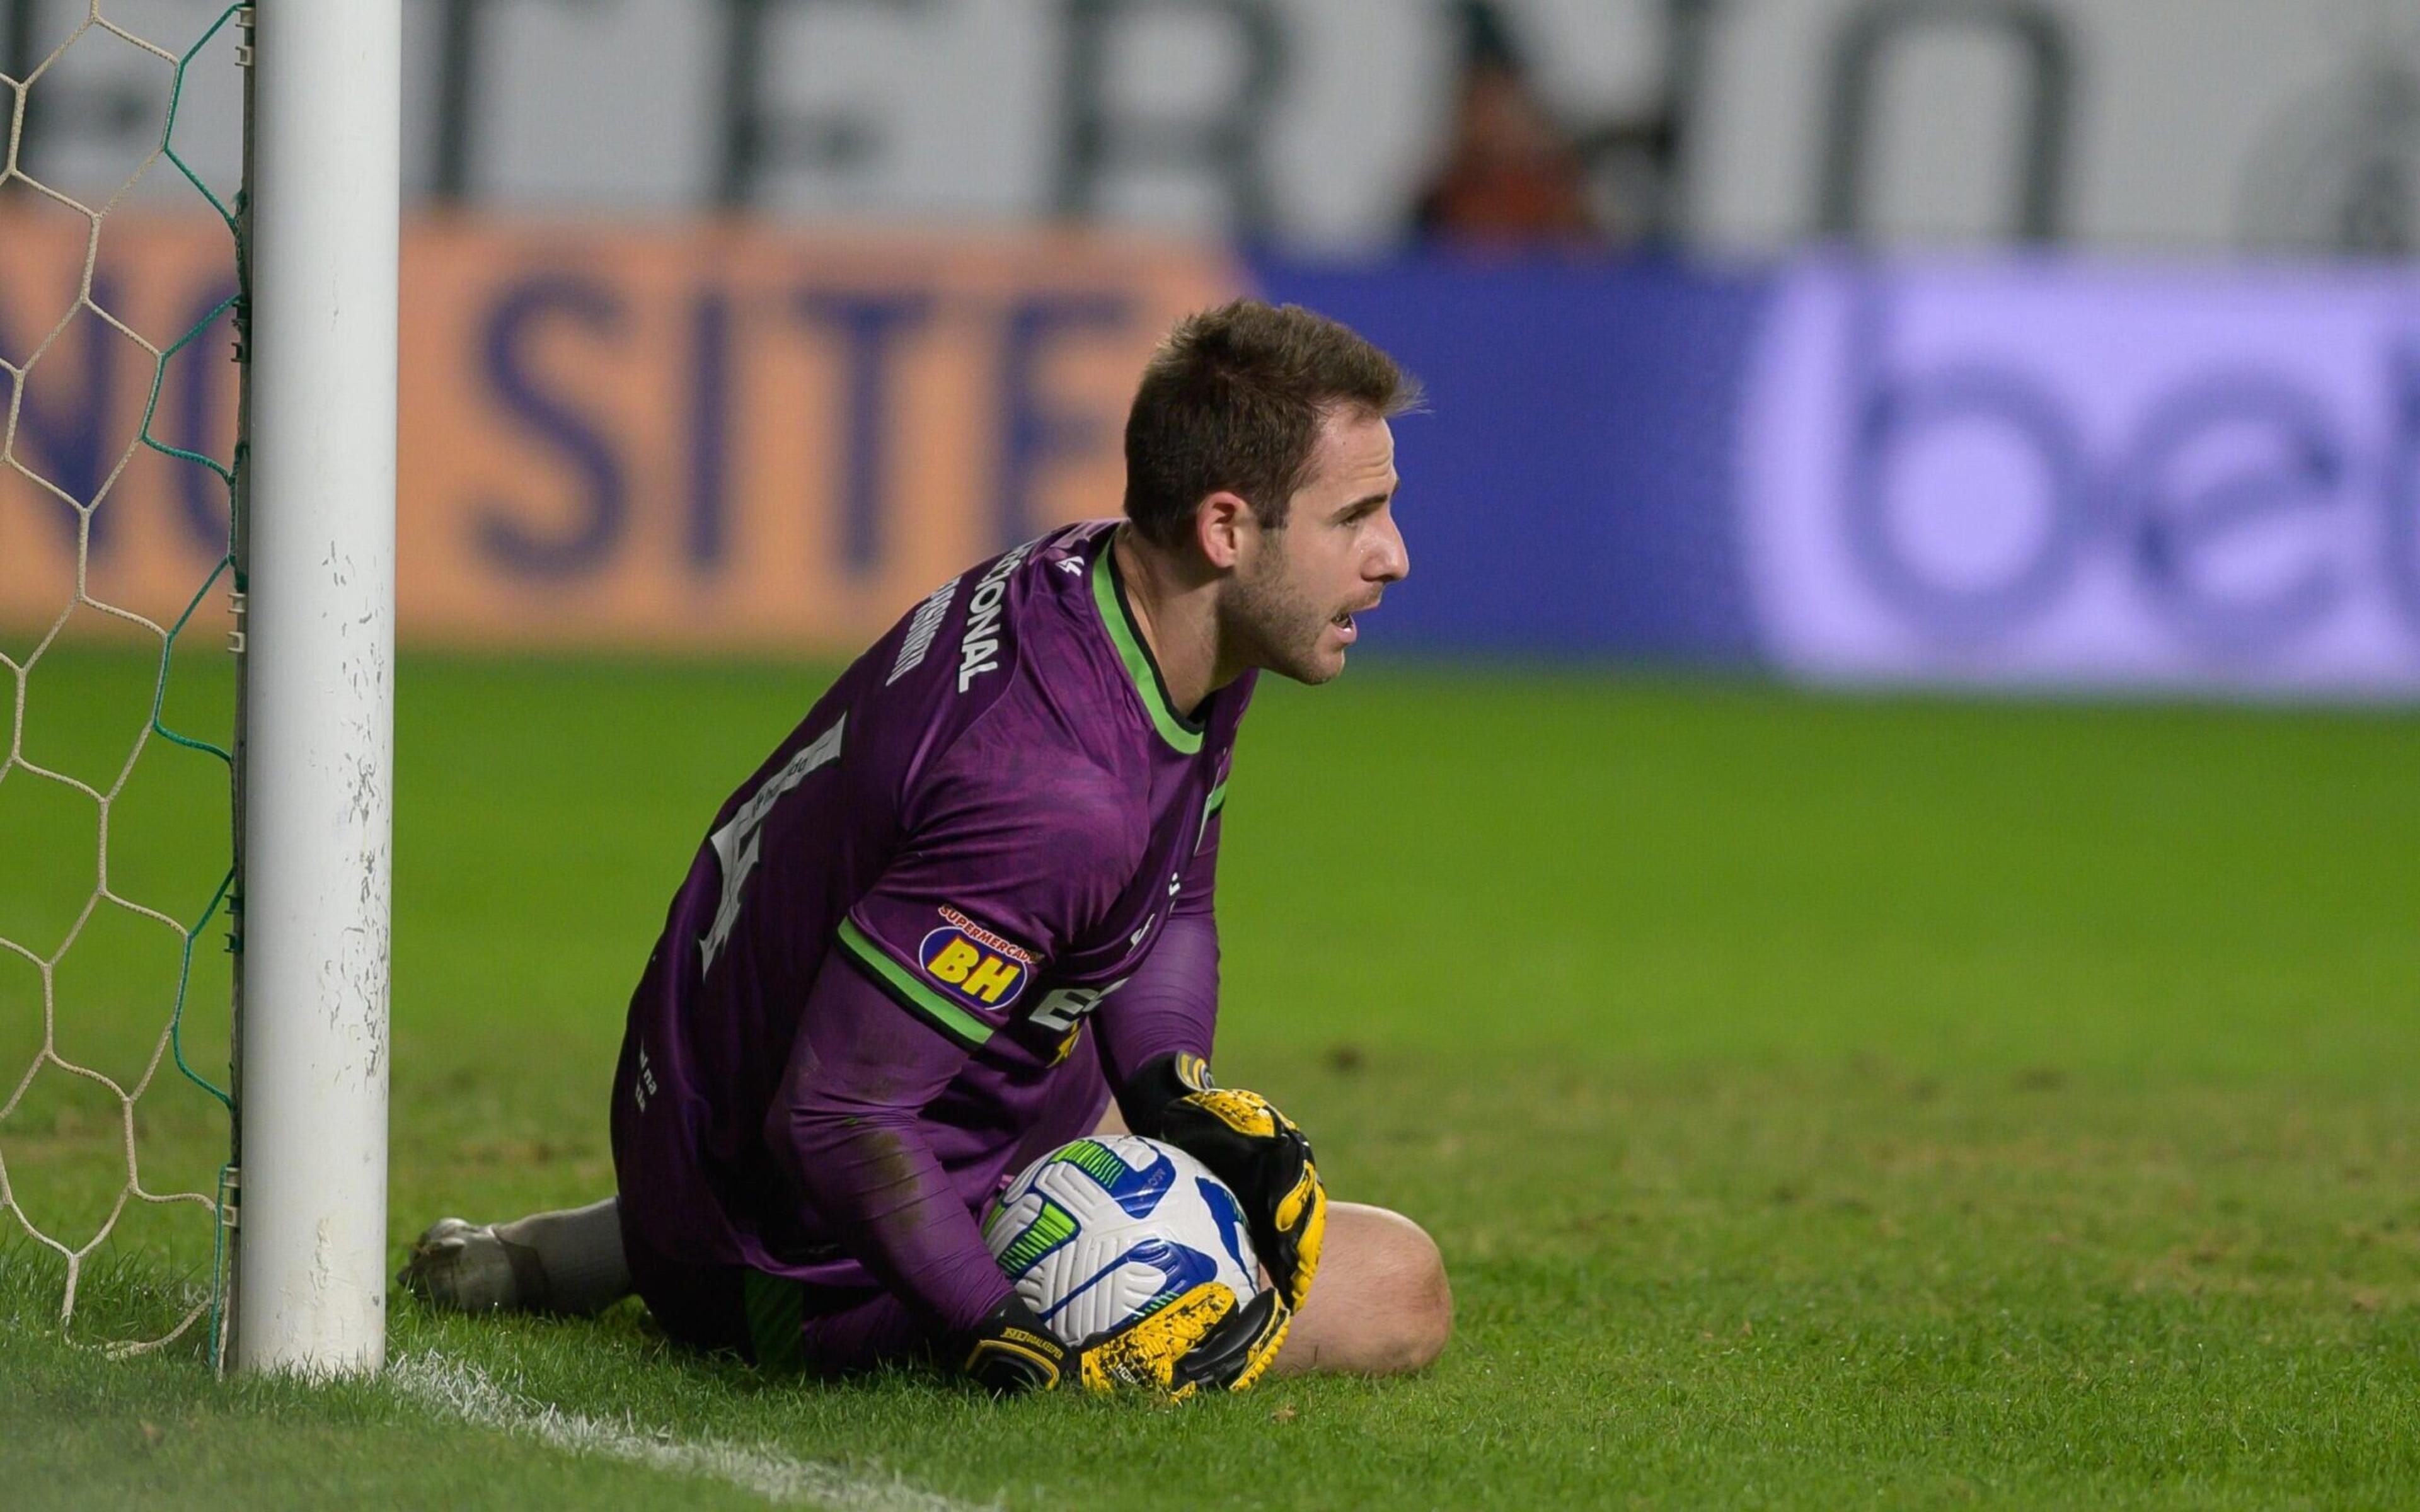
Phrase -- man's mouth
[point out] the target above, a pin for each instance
(1342, 620)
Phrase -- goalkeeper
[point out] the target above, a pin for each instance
(968, 904)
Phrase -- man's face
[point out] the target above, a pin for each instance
(1295, 591)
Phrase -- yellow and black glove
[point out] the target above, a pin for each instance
(1249, 1145)
(1012, 1350)
(1201, 1339)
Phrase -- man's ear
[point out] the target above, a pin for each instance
(1220, 522)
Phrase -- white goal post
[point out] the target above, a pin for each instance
(316, 558)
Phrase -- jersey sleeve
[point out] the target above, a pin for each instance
(1170, 1005)
(847, 1128)
(1008, 866)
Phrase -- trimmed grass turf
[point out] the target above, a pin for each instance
(1818, 1102)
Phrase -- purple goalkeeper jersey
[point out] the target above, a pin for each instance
(990, 821)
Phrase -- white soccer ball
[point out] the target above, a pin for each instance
(1111, 1228)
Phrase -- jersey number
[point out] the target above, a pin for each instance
(1063, 1010)
(734, 844)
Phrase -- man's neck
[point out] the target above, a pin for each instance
(1178, 615)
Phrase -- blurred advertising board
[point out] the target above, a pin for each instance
(691, 437)
(715, 437)
(2066, 475)
(2011, 474)
(1314, 125)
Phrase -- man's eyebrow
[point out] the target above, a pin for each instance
(1369, 501)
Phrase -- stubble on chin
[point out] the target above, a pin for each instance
(1283, 631)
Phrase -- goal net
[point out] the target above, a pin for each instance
(118, 607)
(187, 1131)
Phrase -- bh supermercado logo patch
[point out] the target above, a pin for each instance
(972, 965)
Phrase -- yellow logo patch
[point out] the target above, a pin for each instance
(972, 965)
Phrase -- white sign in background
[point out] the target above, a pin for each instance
(2192, 122)
(2065, 475)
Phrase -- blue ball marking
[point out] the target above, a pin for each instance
(1181, 1268)
(1230, 1219)
(1135, 1190)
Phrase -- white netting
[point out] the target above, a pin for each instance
(115, 835)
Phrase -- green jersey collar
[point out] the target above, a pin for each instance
(1110, 595)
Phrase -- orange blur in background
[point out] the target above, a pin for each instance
(687, 437)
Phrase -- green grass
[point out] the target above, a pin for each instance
(1817, 1101)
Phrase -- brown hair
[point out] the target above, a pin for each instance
(1233, 399)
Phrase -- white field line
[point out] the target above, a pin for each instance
(465, 1392)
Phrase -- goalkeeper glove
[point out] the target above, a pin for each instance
(1011, 1350)
(1253, 1147)
(1201, 1338)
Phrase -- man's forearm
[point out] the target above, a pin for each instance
(888, 1201)
(847, 1128)
(1168, 1007)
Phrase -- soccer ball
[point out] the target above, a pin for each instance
(1109, 1229)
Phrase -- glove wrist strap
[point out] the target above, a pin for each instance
(1013, 1350)
(1143, 1101)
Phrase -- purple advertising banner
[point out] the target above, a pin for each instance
(2073, 476)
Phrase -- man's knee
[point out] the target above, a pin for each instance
(1427, 1309)
(1407, 1313)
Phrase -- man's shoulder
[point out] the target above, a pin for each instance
(974, 643)
(1062, 688)
(1038, 773)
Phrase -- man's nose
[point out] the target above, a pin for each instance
(1393, 563)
